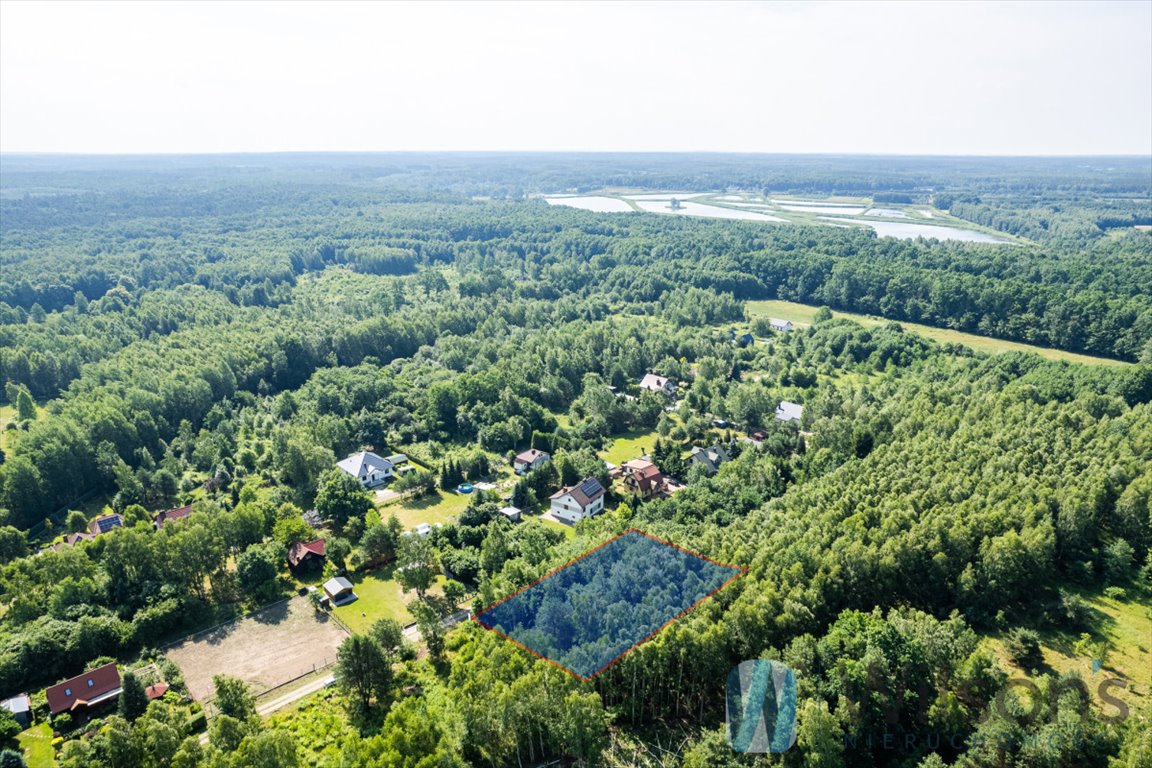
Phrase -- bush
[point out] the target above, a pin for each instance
(1074, 610)
(197, 722)
(1119, 558)
(75, 521)
(1023, 646)
(62, 723)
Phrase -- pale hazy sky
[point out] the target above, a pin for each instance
(905, 78)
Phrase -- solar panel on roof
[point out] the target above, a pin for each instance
(590, 487)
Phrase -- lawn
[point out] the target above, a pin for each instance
(1127, 626)
(629, 445)
(8, 415)
(803, 314)
(434, 508)
(379, 597)
(568, 531)
(36, 743)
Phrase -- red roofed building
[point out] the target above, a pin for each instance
(85, 692)
(173, 514)
(302, 554)
(154, 692)
(646, 482)
(72, 540)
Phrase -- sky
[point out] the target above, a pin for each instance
(970, 78)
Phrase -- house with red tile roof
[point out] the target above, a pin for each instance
(305, 553)
(172, 514)
(83, 693)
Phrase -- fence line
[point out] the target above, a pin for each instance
(340, 622)
(319, 666)
(191, 637)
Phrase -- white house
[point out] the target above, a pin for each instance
(510, 512)
(368, 468)
(576, 502)
(787, 411)
(654, 383)
(782, 326)
(529, 460)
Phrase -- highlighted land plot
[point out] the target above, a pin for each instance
(585, 616)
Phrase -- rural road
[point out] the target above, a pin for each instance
(270, 706)
(413, 634)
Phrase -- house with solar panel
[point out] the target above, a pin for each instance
(105, 523)
(371, 470)
(573, 503)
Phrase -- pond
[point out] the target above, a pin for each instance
(890, 213)
(690, 208)
(844, 210)
(908, 231)
(664, 195)
(592, 203)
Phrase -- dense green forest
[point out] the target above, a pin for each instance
(220, 331)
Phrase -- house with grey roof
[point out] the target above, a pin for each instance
(20, 706)
(654, 383)
(787, 411)
(709, 458)
(780, 326)
(338, 590)
(371, 470)
(529, 460)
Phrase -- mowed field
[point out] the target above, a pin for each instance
(440, 506)
(379, 596)
(803, 313)
(629, 445)
(266, 649)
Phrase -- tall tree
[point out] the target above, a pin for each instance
(133, 699)
(341, 498)
(363, 670)
(233, 697)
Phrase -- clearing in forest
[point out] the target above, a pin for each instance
(266, 649)
(586, 615)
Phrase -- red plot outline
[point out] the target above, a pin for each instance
(476, 618)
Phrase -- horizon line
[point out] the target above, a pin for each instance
(824, 153)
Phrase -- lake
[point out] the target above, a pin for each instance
(834, 214)
(908, 231)
(690, 208)
(664, 195)
(845, 210)
(592, 203)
